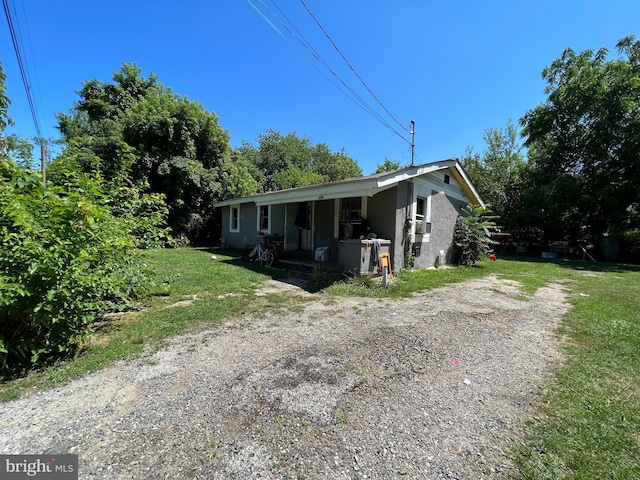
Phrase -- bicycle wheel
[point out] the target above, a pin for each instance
(268, 258)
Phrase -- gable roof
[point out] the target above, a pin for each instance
(361, 186)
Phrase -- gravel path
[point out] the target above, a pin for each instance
(434, 386)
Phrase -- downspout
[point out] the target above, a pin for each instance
(407, 226)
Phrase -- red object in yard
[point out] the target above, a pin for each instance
(493, 257)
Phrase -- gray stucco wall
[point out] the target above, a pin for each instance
(444, 212)
(381, 210)
(403, 199)
(387, 212)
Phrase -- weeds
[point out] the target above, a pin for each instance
(342, 412)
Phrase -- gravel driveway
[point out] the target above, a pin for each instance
(433, 386)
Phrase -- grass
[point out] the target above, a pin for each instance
(591, 415)
(222, 288)
(342, 412)
(588, 421)
(405, 283)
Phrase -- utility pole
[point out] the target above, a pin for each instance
(44, 175)
(413, 144)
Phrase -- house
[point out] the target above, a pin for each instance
(411, 211)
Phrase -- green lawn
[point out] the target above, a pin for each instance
(218, 289)
(590, 419)
(587, 425)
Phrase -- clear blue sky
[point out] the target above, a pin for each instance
(456, 68)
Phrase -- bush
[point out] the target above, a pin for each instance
(472, 235)
(64, 259)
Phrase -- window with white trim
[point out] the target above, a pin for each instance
(423, 226)
(264, 218)
(234, 218)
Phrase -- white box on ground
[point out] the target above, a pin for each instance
(322, 254)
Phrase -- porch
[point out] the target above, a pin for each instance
(358, 256)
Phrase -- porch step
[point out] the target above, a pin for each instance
(301, 271)
(294, 263)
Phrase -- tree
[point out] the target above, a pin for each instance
(67, 253)
(387, 165)
(287, 161)
(497, 172)
(584, 142)
(178, 148)
(5, 120)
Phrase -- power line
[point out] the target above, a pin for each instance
(300, 37)
(307, 47)
(357, 99)
(21, 66)
(350, 66)
(31, 57)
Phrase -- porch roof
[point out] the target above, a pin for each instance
(360, 186)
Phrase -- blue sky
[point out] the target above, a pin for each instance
(456, 68)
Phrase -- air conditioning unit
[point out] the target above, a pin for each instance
(422, 227)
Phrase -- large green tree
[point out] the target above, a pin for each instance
(177, 147)
(287, 161)
(497, 172)
(584, 144)
(387, 165)
(67, 252)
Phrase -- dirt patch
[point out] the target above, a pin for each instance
(432, 386)
(183, 303)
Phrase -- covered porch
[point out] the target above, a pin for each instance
(332, 232)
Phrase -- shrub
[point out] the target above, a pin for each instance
(472, 235)
(64, 258)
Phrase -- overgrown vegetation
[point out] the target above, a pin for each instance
(579, 178)
(178, 149)
(68, 252)
(65, 258)
(188, 291)
(137, 154)
(136, 157)
(472, 235)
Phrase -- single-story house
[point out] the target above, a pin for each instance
(410, 212)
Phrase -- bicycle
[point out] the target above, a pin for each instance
(259, 253)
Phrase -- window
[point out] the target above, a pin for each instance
(423, 226)
(420, 208)
(447, 179)
(351, 209)
(264, 218)
(234, 219)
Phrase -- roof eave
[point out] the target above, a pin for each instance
(361, 186)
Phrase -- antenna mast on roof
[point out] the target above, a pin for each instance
(413, 144)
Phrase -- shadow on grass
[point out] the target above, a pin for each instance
(236, 258)
(579, 265)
